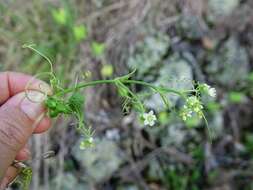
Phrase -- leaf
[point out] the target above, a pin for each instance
(80, 32)
(60, 16)
(163, 118)
(126, 77)
(98, 49)
(236, 97)
(165, 100)
(107, 70)
(25, 178)
(250, 77)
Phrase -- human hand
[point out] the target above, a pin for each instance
(19, 119)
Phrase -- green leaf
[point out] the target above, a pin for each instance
(80, 32)
(25, 178)
(60, 16)
(163, 118)
(213, 106)
(126, 77)
(107, 70)
(236, 97)
(98, 49)
(250, 77)
(193, 121)
(249, 142)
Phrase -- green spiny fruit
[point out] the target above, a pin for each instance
(76, 102)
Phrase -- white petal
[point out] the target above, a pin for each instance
(146, 122)
(152, 123)
(151, 112)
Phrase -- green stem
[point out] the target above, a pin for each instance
(97, 82)
(156, 88)
(84, 85)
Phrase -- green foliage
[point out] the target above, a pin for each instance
(193, 122)
(250, 77)
(213, 106)
(60, 16)
(174, 180)
(236, 97)
(76, 102)
(107, 70)
(249, 143)
(60, 103)
(24, 178)
(80, 32)
(97, 49)
(163, 118)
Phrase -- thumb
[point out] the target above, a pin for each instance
(18, 118)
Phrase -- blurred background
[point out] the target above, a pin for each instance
(169, 42)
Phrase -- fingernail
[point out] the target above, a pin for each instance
(32, 104)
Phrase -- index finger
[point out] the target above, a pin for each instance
(12, 83)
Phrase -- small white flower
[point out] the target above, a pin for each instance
(90, 140)
(186, 113)
(212, 92)
(209, 90)
(86, 143)
(149, 118)
(82, 145)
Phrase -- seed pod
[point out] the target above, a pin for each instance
(53, 113)
(51, 103)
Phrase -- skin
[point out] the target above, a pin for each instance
(16, 127)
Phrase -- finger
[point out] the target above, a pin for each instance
(43, 126)
(10, 175)
(18, 117)
(13, 83)
(24, 154)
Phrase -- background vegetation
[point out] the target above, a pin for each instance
(170, 42)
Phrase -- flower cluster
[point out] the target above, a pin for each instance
(193, 105)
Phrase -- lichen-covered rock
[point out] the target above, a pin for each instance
(176, 73)
(173, 135)
(128, 187)
(218, 8)
(230, 65)
(192, 26)
(155, 171)
(147, 53)
(101, 161)
(67, 181)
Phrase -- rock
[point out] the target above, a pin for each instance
(174, 135)
(67, 181)
(148, 52)
(223, 8)
(215, 125)
(128, 187)
(100, 161)
(230, 65)
(192, 26)
(176, 73)
(155, 171)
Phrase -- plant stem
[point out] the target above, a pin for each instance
(84, 85)
(97, 82)
(156, 88)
